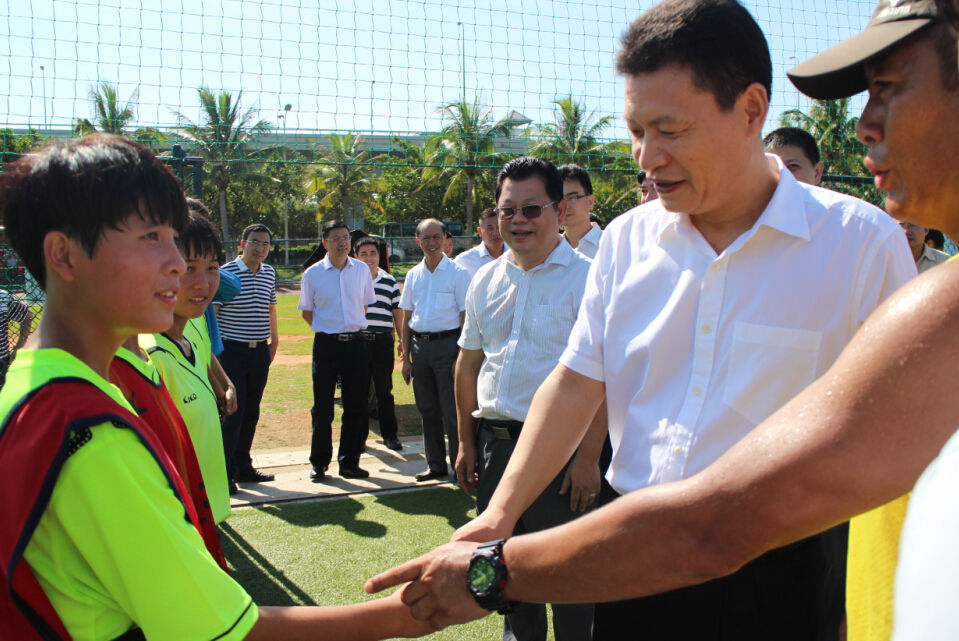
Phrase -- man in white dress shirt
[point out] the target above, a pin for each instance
(704, 312)
(433, 300)
(579, 230)
(519, 313)
(487, 251)
(334, 295)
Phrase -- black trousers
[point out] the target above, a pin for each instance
(248, 368)
(379, 361)
(777, 596)
(334, 358)
(433, 363)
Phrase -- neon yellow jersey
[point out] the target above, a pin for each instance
(187, 380)
(113, 550)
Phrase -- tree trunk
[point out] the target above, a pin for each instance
(469, 206)
(224, 225)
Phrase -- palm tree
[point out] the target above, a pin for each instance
(462, 152)
(343, 182)
(224, 139)
(110, 117)
(574, 137)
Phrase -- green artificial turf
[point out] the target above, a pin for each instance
(321, 552)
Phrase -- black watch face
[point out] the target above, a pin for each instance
(482, 574)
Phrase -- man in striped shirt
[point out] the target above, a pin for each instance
(382, 318)
(250, 338)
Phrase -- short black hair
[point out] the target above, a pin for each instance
(793, 137)
(489, 212)
(200, 238)
(196, 206)
(82, 187)
(528, 167)
(330, 225)
(577, 173)
(256, 228)
(717, 40)
(366, 240)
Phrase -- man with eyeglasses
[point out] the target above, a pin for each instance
(250, 337)
(334, 295)
(579, 231)
(434, 300)
(519, 312)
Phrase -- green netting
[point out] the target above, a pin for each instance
(372, 110)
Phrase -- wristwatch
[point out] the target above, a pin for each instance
(487, 575)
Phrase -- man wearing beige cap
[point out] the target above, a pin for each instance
(849, 443)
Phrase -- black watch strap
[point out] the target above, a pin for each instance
(490, 596)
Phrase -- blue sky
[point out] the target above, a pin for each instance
(384, 65)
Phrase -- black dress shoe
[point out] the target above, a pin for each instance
(233, 488)
(353, 473)
(429, 475)
(254, 476)
(394, 443)
(317, 476)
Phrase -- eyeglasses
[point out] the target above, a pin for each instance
(529, 211)
(258, 243)
(572, 198)
(338, 239)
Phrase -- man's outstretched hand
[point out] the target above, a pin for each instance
(437, 591)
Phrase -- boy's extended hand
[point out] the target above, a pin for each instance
(438, 591)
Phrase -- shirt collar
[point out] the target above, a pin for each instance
(440, 265)
(484, 250)
(241, 264)
(328, 264)
(561, 255)
(785, 211)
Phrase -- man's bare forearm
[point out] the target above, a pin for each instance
(465, 376)
(855, 439)
(559, 416)
(591, 447)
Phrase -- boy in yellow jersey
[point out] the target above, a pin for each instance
(99, 537)
(184, 357)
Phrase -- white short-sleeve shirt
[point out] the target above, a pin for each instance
(474, 258)
(435, 298)
(521, 320)
(589, 244)
(697, 349)
(337, 297)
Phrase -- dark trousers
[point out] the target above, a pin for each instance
(248, 368)
(571, 621)
(379, 361)
(334, 358)
(433, 363)
(777, 596)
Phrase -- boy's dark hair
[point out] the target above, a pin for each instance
(330, 225)
(200, 238)
(196, 206)
(717, 40)
(362, 242)
(255, 228)
(793, 137)
(529, 167)
(83, 187)
(577, 173)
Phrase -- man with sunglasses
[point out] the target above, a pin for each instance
(520, 310)
(433, 300)
(579, 230)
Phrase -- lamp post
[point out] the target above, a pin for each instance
(286, 205)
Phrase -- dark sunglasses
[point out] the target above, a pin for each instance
(529, 211)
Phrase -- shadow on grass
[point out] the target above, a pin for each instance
(261, 579)
(339, 512)
(452, 504)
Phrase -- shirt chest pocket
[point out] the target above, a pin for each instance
(445, 301)
(767, 367)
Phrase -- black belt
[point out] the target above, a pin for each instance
(250, 344)
(342, 337)
(372, 336)
(435, 336)
(505, 430)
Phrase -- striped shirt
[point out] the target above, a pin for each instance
(10, 309)
(247, 317)
(379, 315)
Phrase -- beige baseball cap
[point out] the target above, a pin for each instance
(839, 72)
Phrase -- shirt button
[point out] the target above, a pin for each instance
(697, 391)
(714, 267)
(677, 450)
(706, 329)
